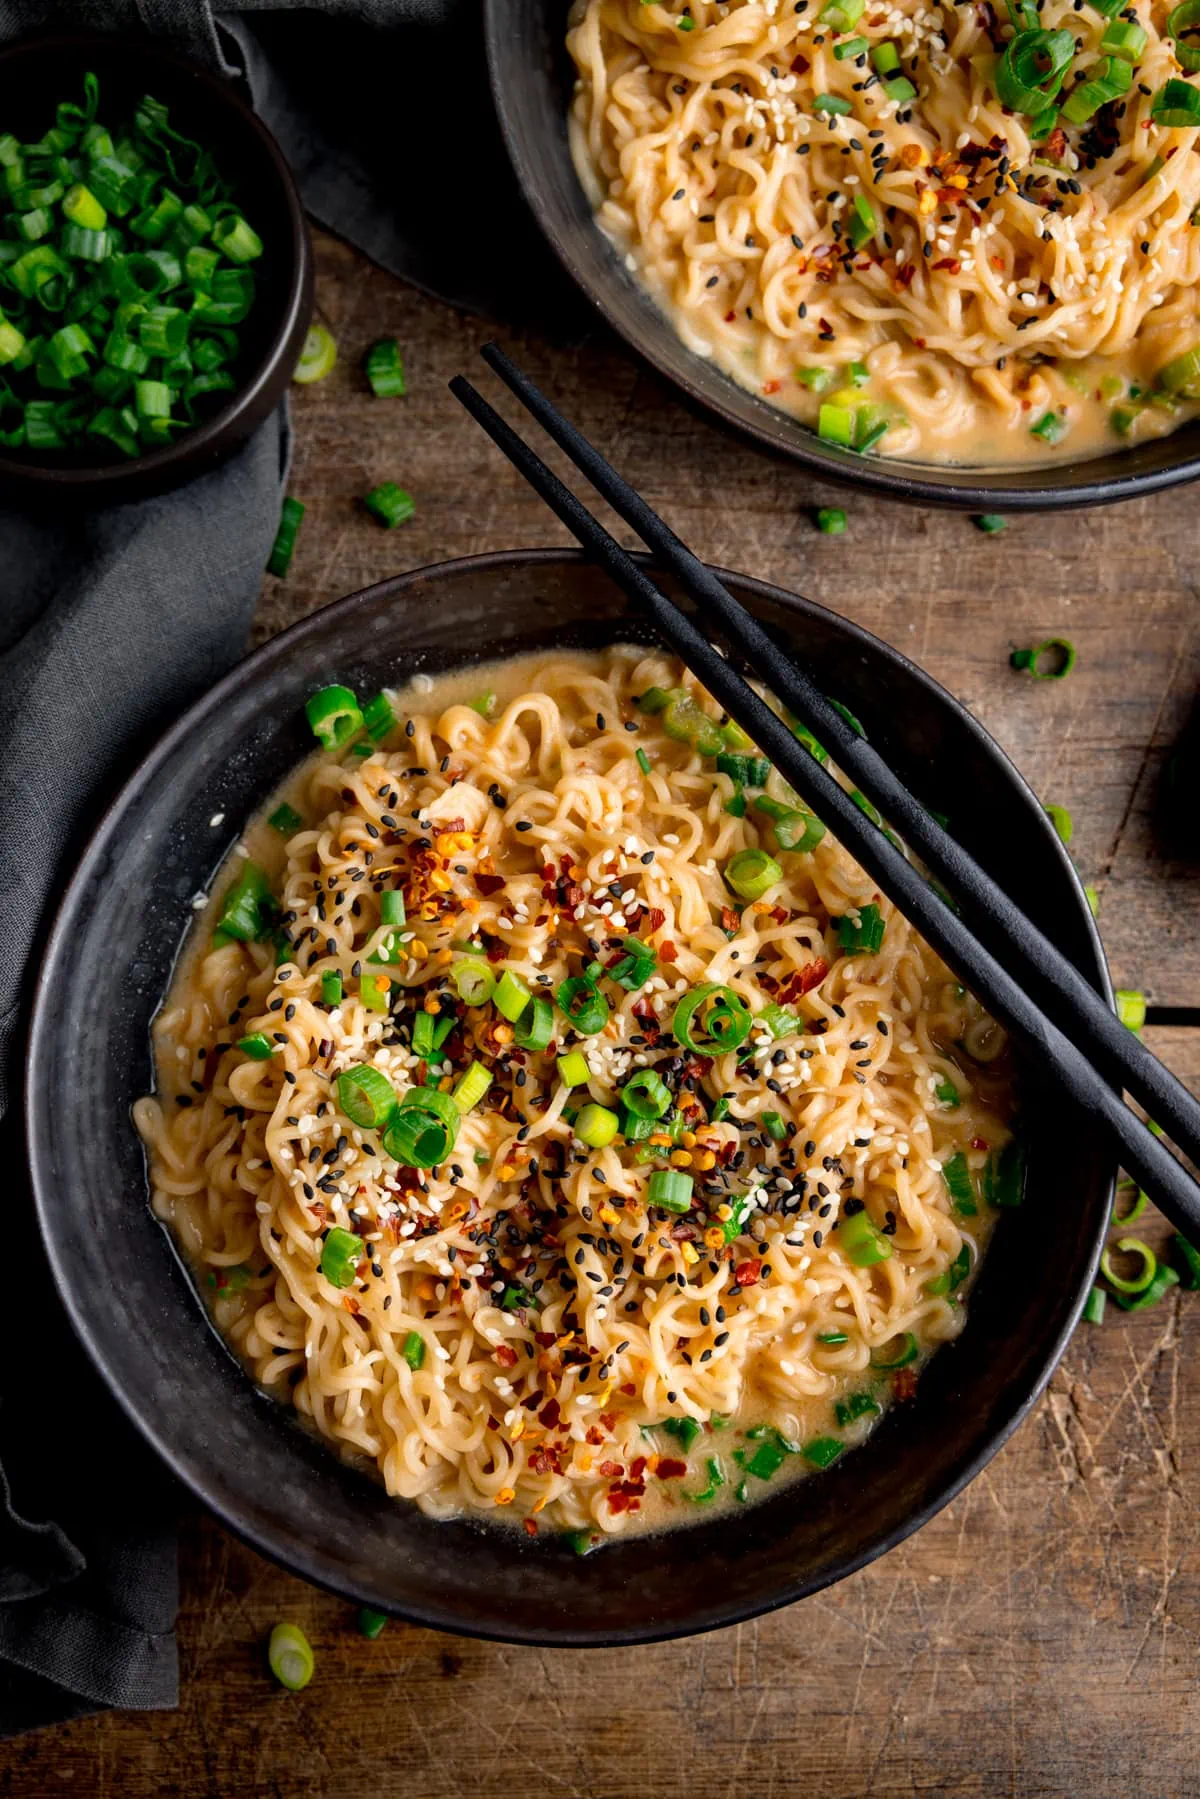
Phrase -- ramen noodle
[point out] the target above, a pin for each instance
(558, 1118)
(962, 233)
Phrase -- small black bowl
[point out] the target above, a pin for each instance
(37, 73)
(533, 80)
(108, 965)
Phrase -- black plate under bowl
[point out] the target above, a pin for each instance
(109, 962)
(532, 83)
(35, 74)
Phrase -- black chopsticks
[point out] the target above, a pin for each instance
(1000, 955)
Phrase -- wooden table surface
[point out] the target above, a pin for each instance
(1041, 1635)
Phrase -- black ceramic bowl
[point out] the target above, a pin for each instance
(106, 969)
(532, 83)
(35, 75)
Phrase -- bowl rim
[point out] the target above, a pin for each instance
(308, 1560)
(871, 474)
(205, 439)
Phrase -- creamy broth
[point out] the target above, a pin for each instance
(1000, 298)
(545, 1327)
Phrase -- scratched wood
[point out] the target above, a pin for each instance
(1040, 1636)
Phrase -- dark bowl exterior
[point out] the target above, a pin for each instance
(532, 83)
(36, 73)
(109, 962)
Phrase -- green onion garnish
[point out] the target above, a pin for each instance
(863, 935)
(472, 1087)
(378, 717)
(473, 980)
(290, 1656)
(414, 1350)
(511, 996)
(1093, 1307)
(643, 762)
(257, 1046)
(331, 987)
(586, 1008)
(671, 1189)
(371, 1623)
(959, 1184)
(1136, 1208)
(897, 1353)
(831, 520)
(750, 873)
(646, 1095)
(1030, 71)
(596, 1126)
(1052, 425)
(822, 1451)
(989, 522)
(1177, 103)
(573, 1069)
(333, 715)
(284, 547)
(856, 1405)
(423, 1128)
(389, 504)
(861, 1241)
(1148, 1266)
(285, 819)
(247, 910)
(1062, 821)
(535, 1026)
(793, 828)
(1189, 1256)
(317, 357)
(711, 1019)
(774, 1126)
(833, 1338)
(341, 1253)
(1131, 1007)
(1051, 660)
(385, 370)
(366, 1096)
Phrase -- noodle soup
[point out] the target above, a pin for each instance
(556, 1116)
(850, 208)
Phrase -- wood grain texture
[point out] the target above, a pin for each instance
(1040, 1636)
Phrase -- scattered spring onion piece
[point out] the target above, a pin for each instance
(989, 522)
(1093, 900)
(1165, 1277)
(947, 1094)
(635, 966)
(473, 980)
(341, 1253)
(285, 819)
(646, 1094)
(389, 504)
(1030, 71)
(1131, 1007)
(258, 1047)
(836, 424)
(774, 1126)
(423, 1128)
(385, 369)
(1189, 1257)
(378, 717)
(1093, 1307)
(959, 1184)
(750, 873)
(331, 987)
(1062, 821)
(333, 715)
(861, 1241)
(1182, 374)
(535, 1027)
(833, 1339)
(511, 996)
(371, 1624)
(856, 1405)
(484, 704)
(472, 1086)
(318, 356)
(671, 1189)
(1176, 104)
(822, 1452)
(583, 1005)
(374, 990)
(1004, 1180)
(366, 1096)
(284, 547)
(1060, 655)
(793, 828)
(643, 761)
(716, 1480)
(862, 935)
(290, 1656)
(831, 521)
(247, 910)
(1137, 1205)
(684, 1430)
(897, 1354)
(414, 1350)
(596, 1126)
(711, 1019)
(573, 1069)
(1052, 425)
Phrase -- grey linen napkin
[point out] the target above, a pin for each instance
(113, 620)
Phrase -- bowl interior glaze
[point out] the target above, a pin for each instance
(109, 962)
(532, 83)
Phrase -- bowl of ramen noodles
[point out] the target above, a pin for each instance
(504, 1153)
(949, 253)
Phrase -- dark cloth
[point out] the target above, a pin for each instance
(111, 621)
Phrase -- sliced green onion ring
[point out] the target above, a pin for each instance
(1051, 660)
(290, 1656)
(711, 1019)
(1131, 1246)
(366, 1096)
(318, 356)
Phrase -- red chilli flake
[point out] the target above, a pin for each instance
(979, 1142)
(489, 883)
(904, 1384)
(667, 952)
(746, 1274)
(529, 1527)
(611, 1470)
(549, 1414)
(670, 1469)
(506, 1357)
